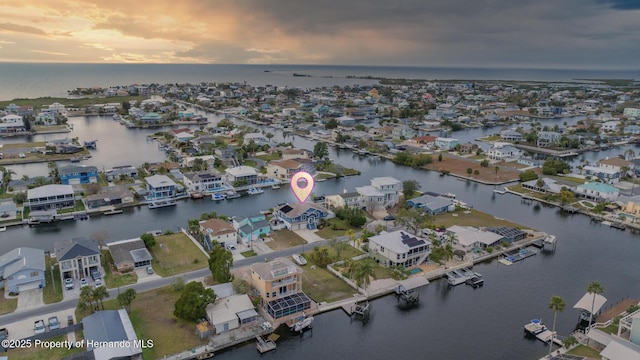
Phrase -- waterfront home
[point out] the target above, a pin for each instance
(548, 185)
(631, 112)
(284, 169)
(231, 312)
(443, 143)
(610, 126)
(433, 205)
(52, 196)
(403, 132)
(391, 249)
(11, 123)
(120, 172)
(616, 163)
(631, 130)
(218, 231)
(298, 216)
(242, 175)
(390, 187)
(346, 121)
(203, 181)
(251, 228)
(548, 138)
(257, 138)
(468, 148)
(182, 135)
(111, 197)
(160, 187)
(469, 237)
(508, 234)
(346, 199)
(225, 153)
(597, 191)
(501, 152)
(607, 175)
(22, 269)
(279, 284)
(20, 185)
(129, 254)
(111, 327)
(78, 257)
(293, 154)
(151, 118)
(510, 135)
(78, 174)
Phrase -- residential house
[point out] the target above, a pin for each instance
(610, 126)
(129, 254)
(160, 187)
(218, 231)
(203, 181)
(403, 132)
(151, 118)
(111, 327)
(508, 234)
(225, 153)
(50, 197)
(242, 175)
(597, 191)
(120, 172)
(503, 153)
(22, 269)
(468, 148)
(632, 208)
(390, 187)
(78, 174)
(112, 197)
(346, 199)
(258, 138)
(548, 185)
(446, 143)
(510, 135)
(11, 123)
(631, 112)
(432, 204)
(78, 257)
(284, 169)
(279, 284)
(616, 163)
(469, 238)
(231, 312)
(346, 121)
(293, 154)
(398, 248)
(631, 130)
(608, 175)
(182, 135)
(251, 228)
(548, 138)
(301, 215)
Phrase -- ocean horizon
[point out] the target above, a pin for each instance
(30, 80)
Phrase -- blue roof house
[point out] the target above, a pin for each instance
(22, 269)
(598, 191)
(431, 204)
(78, 174)
(250, 228)
(301, 216)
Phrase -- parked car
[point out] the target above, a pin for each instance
(389, 218)
(38, 327)
(231, 247)
(98, 282)
(54, 323)
(150, 270)
(84, 282)
(95, 274)
(299, 259)
(68, 283)
(4, 334)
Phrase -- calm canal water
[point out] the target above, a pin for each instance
(458, 323)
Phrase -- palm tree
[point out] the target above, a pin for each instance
(99, 294)
(351, 235)
(349, 264)
(363, 273)
(594, 288)
(556, 305)
(86, 298)
(7, 174)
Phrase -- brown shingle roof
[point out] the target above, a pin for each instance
(615, 161)
(218, 227)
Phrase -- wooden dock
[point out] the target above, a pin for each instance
(265, 345)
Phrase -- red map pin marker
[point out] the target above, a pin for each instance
(302, 185)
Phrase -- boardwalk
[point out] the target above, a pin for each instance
(616, 310)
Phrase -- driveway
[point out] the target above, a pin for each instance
(30, 299)
(143, 276)
(308, 235)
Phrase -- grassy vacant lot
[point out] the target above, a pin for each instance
(37, 353)
(249, 253)
(582, 350)
(269, 157)
(52, 293)
(114, 280)
(459, 167)
(39, 128)
(474, 218)
(24, 145)
(341, 226)
(381, 272)
(7, 305)
(320, 285)
(283, 239)
(38, 103)
(176, 254)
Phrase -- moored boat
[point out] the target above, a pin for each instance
(255, 191)
(232, 195)
(218, 197)
(535, 327)
(275, 186)
(303, 322)
(162, 203)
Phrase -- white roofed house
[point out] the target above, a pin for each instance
(22, 269)
(258, 138)
(503, 153)
(11, 123)
(372, 198)
(231, 313)
(390, 187)
(395, 248)
(469, 237)
(242, 175)
(50, 197)
(160, 187)
(203, 181)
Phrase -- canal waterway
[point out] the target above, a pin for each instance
(458, 323)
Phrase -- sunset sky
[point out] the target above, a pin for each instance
(602, 34)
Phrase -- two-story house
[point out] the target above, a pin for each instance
(548, 138)
(285, 169)
(298, 216)
(242, 176)
(346, 199)
(218, 231)
(203, 181)
(510, 135)
(294, 154)
(597, 191)
(50, 197)
(119, 172)
(160, 187)
(390, 187)
(279, 284)
(503, 153)
(446, 143)
(78, 258)
(251, 227)
(78, 174)
(22, 269)
(395, 248)
(608, 175)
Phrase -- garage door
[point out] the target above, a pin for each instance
(29, 286)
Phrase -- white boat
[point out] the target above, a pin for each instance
(275, 186)
(3, 228)
(255, 191)
(456, 277)
(535, 327)
(302, 323)
(218, 197)
(299, 259)
(550, 239)
(608, 223)
(449, 195)
(162, 203)
(232, 195)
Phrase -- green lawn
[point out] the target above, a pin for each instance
(52, 293)
(269, 157)
(611, 329)
(114, 280)
(37, 353)
(38, 103)
(330, 231)
(37, 128)
(381, 272)
(79, 206)
(582, 350)
(251, 163)
(24, 145)
(283, 239)
(320, 285)
(176, 254)
(474, 218)
(249, 253)
(324, 176)
(7, 305)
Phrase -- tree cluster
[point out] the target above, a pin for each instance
(193, 301)
(413, 160)
(353, 216)
(528, 176)
(220, 262)
(555, 166)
